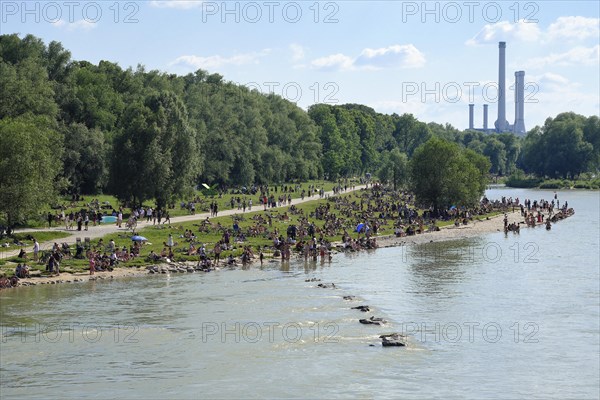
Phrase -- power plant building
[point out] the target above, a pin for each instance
(502, 125)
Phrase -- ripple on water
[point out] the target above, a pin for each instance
(157, 335)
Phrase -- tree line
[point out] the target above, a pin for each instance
(72, 126)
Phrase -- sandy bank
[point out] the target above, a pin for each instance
(451, 232)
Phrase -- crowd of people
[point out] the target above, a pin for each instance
(91, 214)
(353, 221)
(536, 212)
(356, 219)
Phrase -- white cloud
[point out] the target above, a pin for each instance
(549, 83)
(578, 56)
(404, 56)
(218, 61)
(551, 79)
(333, 62)
(81, 25)
(571, 27)
(578, 28)
(178, 4)
(297, 52)
(506, 31)
(395, 56)
(414, 107)
(556, 94)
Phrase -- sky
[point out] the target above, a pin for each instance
(427, 58)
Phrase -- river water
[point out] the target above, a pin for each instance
(494, 317)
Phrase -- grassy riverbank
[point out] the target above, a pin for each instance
(255, 224)
(529, 182)
(20, 239)
(202, 198)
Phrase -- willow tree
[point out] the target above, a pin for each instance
(155, 157)
(30, 160)
(444, 174)
(394, 168)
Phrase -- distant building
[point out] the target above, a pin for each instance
(501, 125)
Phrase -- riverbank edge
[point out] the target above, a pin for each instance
(448, 233)
(553, 184)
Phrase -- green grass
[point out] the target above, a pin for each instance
(158, 235)
(26, 239)
(224, 202)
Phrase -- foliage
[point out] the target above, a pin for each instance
(154, 155)
(84, 158)
(394, 168)
(30, 162)
(560, 149)
(553, 184)
(153, 135)
(519, 180)
(443, 174)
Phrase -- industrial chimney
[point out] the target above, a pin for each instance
(519, 126)
(501, 123)
(485, 117)
(471, 124)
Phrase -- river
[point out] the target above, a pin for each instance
(491, 317)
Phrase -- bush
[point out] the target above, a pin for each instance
(554, 184)
(523, 182)
(519, 180)
(583, 185)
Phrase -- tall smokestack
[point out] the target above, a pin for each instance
(501, 123)
(471, 125)
(485, 116)
(519, 126)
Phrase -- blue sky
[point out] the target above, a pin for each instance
(430, 59)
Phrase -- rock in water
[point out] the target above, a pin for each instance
(393, 340)
(326, 285)
(373, 321)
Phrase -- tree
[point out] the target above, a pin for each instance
(30, 161)
(85, 159)
(558, 149)
(155, 155)
(25, 90)
(481, 176)
(512, 148)
(366, 130)
(394, 168)
(334, 145)
(495, 151)
(591, 134)
(57, 60)
(567, 153)
(443, 174)
(409, 133)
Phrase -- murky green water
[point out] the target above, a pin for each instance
(490, 317)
